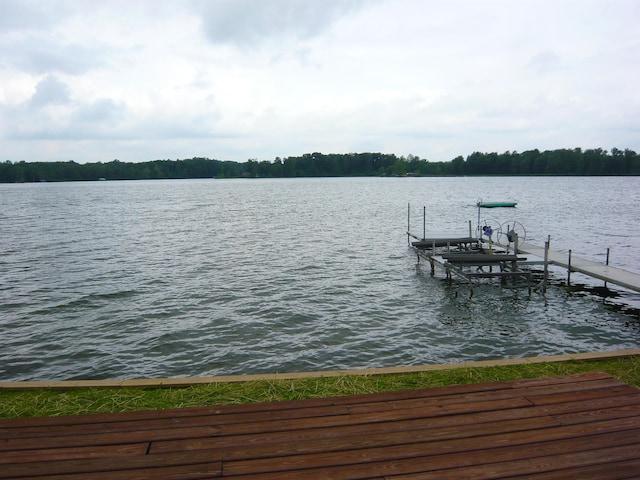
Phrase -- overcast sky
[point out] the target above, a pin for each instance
(141, 80)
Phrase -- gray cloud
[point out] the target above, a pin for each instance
(250, 22)
(39, 55)
(544, 62)
(50, 90)
(104, 111)
(18, 15)
(52, 114)
(224, 78)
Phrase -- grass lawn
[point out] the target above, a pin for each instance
(42, 402)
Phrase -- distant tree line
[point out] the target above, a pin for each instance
(532, 162)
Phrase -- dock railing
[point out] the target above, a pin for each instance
(601, 271)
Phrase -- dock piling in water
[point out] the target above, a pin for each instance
(607, 264)
(546, 264)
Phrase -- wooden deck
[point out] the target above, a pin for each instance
(583, 426)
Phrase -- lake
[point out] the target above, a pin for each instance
(214, 277)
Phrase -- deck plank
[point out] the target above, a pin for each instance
(182, 472)
(469, 447)
(74, 453)
(454, 464)
(568, 426)
(560, 414)
(618, 470)
(563, 464)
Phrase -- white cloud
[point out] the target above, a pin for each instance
(245, 79)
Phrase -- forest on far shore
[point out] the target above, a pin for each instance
(532, 162)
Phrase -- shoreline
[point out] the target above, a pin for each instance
(179, 382)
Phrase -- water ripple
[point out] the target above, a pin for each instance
(134, 279)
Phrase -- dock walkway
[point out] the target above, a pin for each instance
(597, 270)
(580, 426)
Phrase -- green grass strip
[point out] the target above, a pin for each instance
(43, 402)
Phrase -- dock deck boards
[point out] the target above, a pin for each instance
(597, 270)
(581, 426)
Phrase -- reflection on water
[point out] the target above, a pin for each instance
(206, 277)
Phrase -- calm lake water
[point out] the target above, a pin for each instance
(214, 277)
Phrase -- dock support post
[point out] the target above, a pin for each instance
(569, 270)
(408, 223)
(605, 283)
(546, 264)
(424, 222)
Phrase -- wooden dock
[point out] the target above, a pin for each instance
(428, 248)
(463, 258)
(601, 271)
(470, 266)
(597, 270)
(581, 426)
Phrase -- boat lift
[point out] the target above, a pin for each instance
(467, 258)
(459, 255)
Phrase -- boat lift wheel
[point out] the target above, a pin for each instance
(503, 232)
